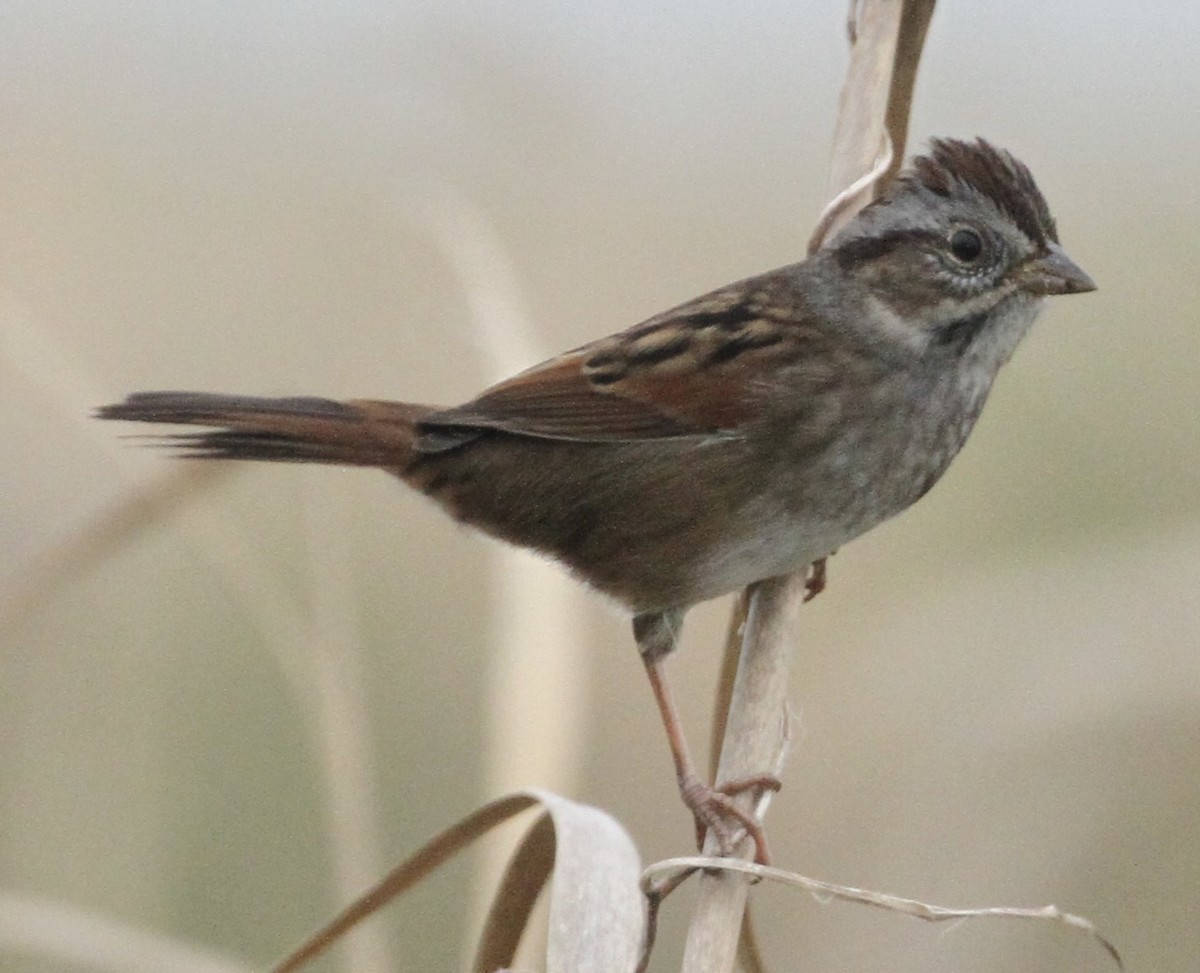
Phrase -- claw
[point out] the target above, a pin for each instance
(714, 809)
(814, 582)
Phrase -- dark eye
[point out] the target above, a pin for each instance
(966, 245)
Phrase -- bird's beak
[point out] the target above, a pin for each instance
(1053, 272)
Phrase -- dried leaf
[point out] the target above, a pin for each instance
(668, 873)
(597, 909)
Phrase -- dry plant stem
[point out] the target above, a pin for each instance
(663, 877)
(725, 680)
(887, 36)
(864, 100)
(754, 743)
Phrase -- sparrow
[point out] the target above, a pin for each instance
(745, 434)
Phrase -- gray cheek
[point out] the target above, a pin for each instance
(995, 345)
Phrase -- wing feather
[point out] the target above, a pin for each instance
(701, 369)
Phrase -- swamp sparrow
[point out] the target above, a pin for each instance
(742, 435)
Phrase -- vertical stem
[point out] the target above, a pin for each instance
(754, 743)
(873, 115)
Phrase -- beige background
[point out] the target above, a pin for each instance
(998, 698)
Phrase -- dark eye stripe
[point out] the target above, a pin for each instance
(863, 249)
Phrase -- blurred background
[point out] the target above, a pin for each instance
(226, 703)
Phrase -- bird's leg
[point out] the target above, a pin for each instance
(712, 807)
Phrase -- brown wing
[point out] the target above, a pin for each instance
(696, 370)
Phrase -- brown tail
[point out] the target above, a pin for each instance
(293, 430)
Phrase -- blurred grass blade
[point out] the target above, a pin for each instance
(538, 649)
(58, 565)
(61, 933)
(597, 910)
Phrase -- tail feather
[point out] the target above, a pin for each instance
(291, 430)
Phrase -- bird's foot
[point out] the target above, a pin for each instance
(716, 813)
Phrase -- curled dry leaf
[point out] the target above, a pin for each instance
(597, 909)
